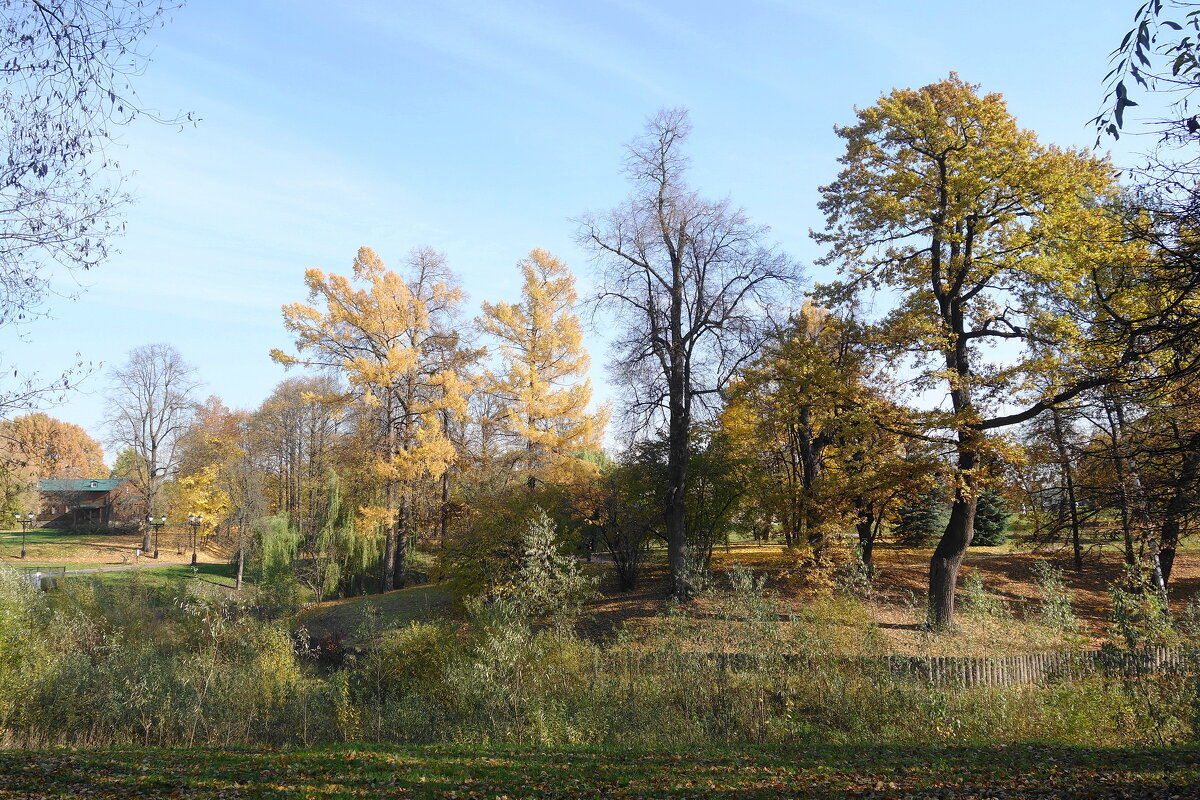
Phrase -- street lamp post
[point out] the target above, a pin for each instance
(157, 525)
(26, 522)
(194, 520)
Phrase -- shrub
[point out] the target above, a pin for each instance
(1055, 598)
(548, 582)
(978, 600)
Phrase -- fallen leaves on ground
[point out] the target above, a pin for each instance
(956, 773)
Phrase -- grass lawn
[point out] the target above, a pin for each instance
(1027, 771)
(343, 618)
(219, 574)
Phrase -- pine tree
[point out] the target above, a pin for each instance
(921, 521)
(991, 519)
(542, 387)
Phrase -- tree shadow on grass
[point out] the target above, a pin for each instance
(1032, 771)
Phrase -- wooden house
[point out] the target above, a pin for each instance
(70, 502)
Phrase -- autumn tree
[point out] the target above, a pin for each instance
(37, 446)
(396, 340)
(45, 447)
(687, 279)
(787, 411)
(214, 443)
(985, 235)
(150, 406)
(810, 418)
(542, 384)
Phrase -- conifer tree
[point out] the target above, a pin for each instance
(922, 520)
(397, 342)
(991, 519)
(542, 387)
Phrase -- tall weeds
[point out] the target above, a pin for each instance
(130, 665)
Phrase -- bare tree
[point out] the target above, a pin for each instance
(293, 433)
(65, 75)
(151, 403)
(689, 279)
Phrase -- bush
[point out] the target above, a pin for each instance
(978, 600)
(1056, 598)
(75, 670)
(548, 582)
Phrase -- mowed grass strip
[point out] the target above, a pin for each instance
(170, 574)
(427, 772)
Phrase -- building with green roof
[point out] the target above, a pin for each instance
(72, 502)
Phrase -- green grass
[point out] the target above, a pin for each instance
(55, 566)
(344, 618)
(429, 772)
(222, 574)
(41, 535)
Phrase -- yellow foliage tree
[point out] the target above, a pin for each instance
(987, 236)
(542, 389)
(200, 492)
(806, 419)
(396, 342)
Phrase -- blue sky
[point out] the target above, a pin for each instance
(481, 129)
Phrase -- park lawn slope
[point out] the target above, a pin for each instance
(168, 575)
(445, 772)
(349, 618)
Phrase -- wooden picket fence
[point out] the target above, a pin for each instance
(956, 670)
(1042, 667)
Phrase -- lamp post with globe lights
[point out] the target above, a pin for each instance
(26, 521)
(194, 520)
(157, 524)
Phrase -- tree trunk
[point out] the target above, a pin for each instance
(444, 522)
(866, 538)
(1118, 460)
(1060, 443)
(947, 558)
(241, 562)
(391, 543)
(675, 507)
(402, 537)
(1177, 507)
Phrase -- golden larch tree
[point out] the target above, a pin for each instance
(397, 343)
(542, 388)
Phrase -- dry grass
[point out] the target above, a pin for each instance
(344, 619)
(892, 617)
(103, 548)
